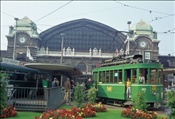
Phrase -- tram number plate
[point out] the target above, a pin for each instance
(153, 87)
(109, 88)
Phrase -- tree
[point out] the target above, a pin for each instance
(139, 102)
(91, 96)
(3, 92)
(171, 103)
(78, 95)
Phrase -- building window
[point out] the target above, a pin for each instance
(82, 66)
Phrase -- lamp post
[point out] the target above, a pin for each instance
(62, 35)
(14, 45)
(129, 22)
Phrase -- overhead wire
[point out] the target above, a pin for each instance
(44, 15)
(91, 12)
(7, 14)
(150, 11)
(158, 18)
(168, 31)
(140, 8)
(14, 17)
(53, 11)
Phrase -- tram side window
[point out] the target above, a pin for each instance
(107, 77)
(111, 76)
(143, 76)
(102, 77)
(120, 76)
(160, 79)
(116, 76)
(134, 75)
(128, 73)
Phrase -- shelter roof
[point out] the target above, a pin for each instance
(65, 69)
(6, 66)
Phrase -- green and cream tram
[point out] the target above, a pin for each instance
(111, 79)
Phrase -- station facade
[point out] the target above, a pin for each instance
(82, 43)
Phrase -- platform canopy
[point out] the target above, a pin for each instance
(10, 67)
(65, 69)
(169, 71)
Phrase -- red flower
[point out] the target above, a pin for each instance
(9, 111)
(73, 112)
(133, 113)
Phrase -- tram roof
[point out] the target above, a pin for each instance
(68, 70)
(6, 66)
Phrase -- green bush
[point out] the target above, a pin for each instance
(139, 102)
(79, 95)
(91, 95)
(171, 103)
(3, 92)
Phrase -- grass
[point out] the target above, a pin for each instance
(110, 114)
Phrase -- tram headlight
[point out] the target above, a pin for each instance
(154, 93)
(157, 104)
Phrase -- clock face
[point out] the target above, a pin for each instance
(143, 44)
(22, 40)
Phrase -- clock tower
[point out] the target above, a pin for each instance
(142, 40)
(22, 35)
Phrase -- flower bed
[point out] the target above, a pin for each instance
(98, 107)
(73, 113)
(138, 114)
(8, 112)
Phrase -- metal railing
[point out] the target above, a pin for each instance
(34, 99)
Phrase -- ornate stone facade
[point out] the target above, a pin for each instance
(26, 36)
(142, 40)
(86, 43)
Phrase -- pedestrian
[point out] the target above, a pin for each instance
(67, 88)
(141, 78)
(55, 83)
(128, 90)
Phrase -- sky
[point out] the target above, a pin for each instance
(46, 14)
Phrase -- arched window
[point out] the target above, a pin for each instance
(82, 66)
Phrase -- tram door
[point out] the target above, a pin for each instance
(95, 79)
(128, 83)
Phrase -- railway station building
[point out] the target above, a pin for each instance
(78, 44)
(82, 43)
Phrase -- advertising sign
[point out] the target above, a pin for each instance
(147, 55)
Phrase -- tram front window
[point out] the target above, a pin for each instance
(155, 76)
